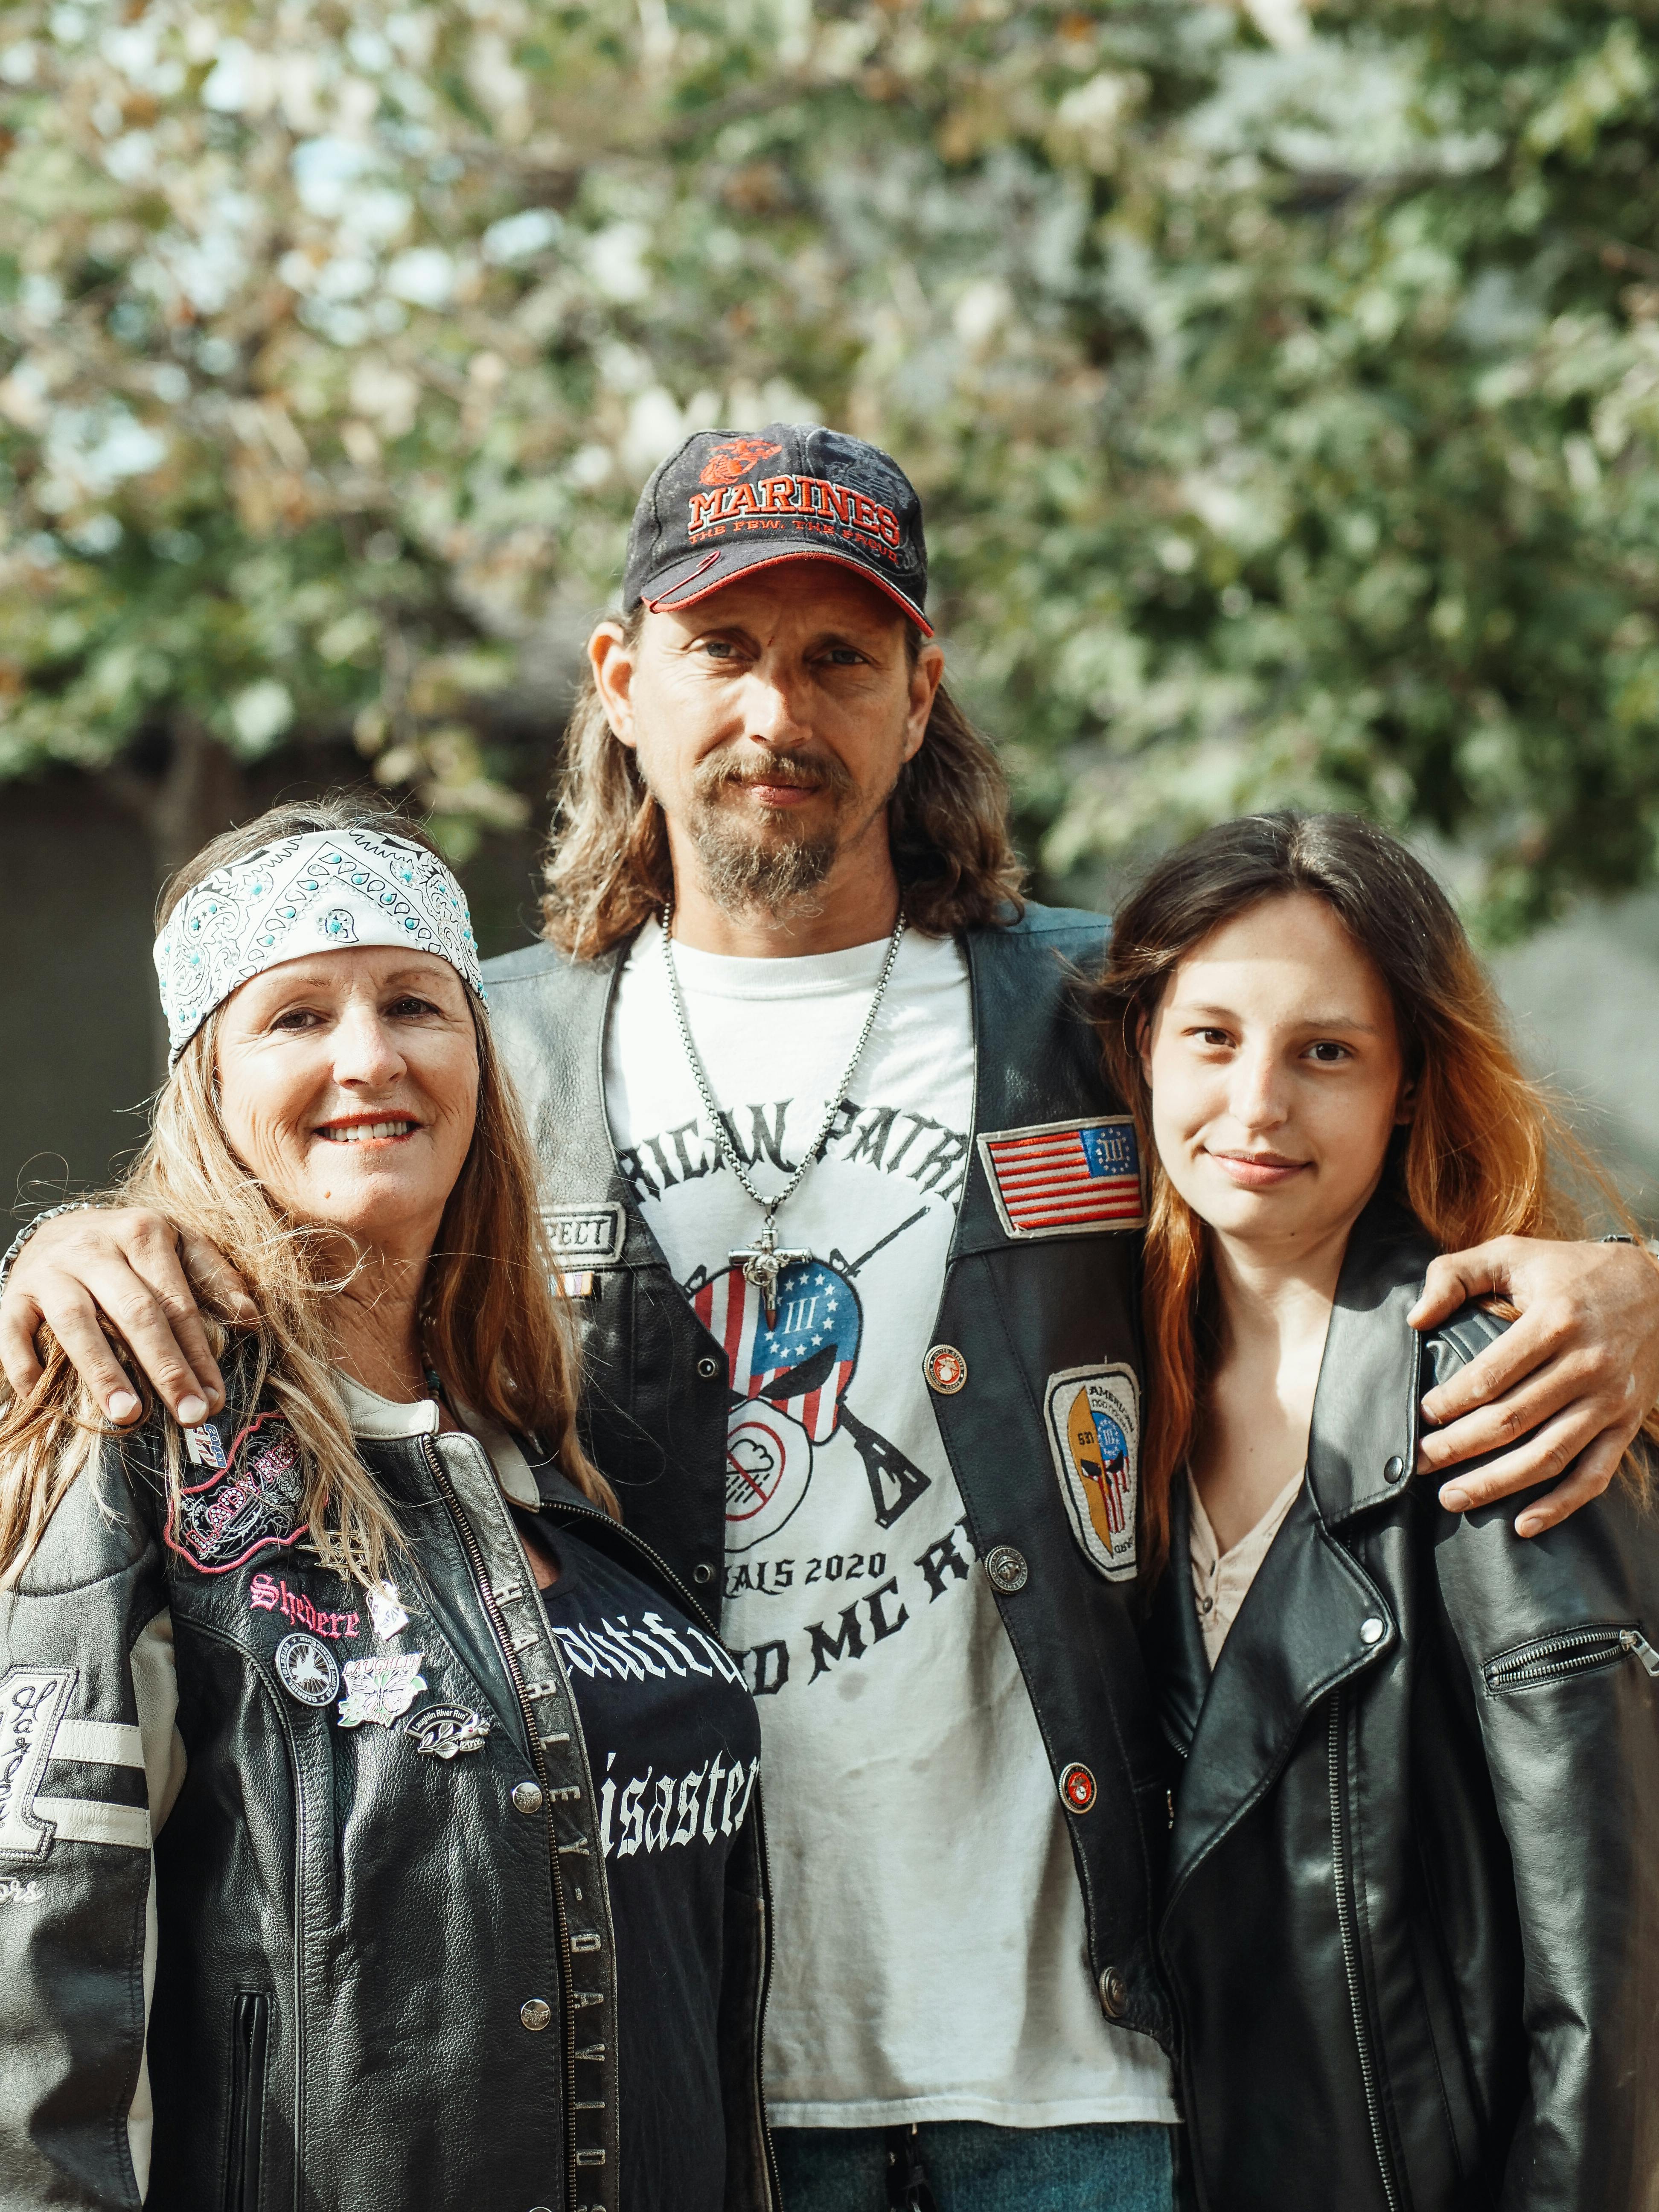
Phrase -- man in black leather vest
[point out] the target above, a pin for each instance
(861, 1326)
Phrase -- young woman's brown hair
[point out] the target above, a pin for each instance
(1473, 1162)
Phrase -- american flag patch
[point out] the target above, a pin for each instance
(1066, 1178)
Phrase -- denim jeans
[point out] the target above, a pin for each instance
(971, 2167)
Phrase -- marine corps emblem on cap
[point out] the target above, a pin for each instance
(726, 463)
(726, 504)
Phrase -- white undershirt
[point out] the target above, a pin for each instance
(931, 1960)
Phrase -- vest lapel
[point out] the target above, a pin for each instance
(550, 1015)
(1035, 1057)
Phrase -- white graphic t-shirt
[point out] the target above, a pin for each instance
(931, 1960)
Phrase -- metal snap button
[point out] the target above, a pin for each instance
(535, 2015)
(1076, 1788)
(528, 1796)
(708, 1367)
(1372, 1629)
(945, 1369)
(1006, 1568)
(1392, 1468)
(1113, 1994)
(703, 1573)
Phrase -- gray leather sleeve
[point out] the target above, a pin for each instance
(86, 1703)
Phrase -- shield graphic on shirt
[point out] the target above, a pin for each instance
(803, 1360)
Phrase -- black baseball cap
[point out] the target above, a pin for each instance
(731, 500)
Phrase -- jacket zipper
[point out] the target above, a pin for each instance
(693, 1606)
(475, 1559)
(1574, 1651)
(1351, 1959)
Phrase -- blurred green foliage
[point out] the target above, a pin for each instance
(1284, 389)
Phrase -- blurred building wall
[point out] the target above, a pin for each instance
(1584, 997)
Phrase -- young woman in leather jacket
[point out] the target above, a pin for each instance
(1413, 1888)
(378, 1821)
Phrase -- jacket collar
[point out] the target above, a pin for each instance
(1366, 1409)
(1314, 1617)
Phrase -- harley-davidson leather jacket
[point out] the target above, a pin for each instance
(1410, 1926)
(368, 1933)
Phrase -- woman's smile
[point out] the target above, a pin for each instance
(370, 1050)
(1257, 1170)
(367, 1129)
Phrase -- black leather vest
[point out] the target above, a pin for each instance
(1025, 1312)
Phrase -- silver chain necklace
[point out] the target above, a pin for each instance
(763, 1262)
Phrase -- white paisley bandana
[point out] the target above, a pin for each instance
(320, 891)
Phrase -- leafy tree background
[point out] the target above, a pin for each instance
(1283, 387)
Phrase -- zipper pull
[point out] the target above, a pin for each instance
(1631, 1639)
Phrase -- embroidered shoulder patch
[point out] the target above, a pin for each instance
(1066, 1178)
(1093, 1417)
(250, 1503)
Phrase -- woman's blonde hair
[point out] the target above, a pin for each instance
(495, 1329)
(606, 870)
(1473, 1163)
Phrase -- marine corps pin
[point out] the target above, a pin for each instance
(945, 1369)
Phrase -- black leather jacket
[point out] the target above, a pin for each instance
(1413, 1919)
(1021, 1311)
(385, 1980)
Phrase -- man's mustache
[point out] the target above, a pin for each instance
(803, 771)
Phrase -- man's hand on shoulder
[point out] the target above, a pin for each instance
(1567, 1386)
(121, 1270)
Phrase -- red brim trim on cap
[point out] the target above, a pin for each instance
(674, 601)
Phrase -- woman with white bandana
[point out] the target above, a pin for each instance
(378, 1822)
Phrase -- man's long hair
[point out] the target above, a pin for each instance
(1473, 1163)
(494, 1326)
(607, 870)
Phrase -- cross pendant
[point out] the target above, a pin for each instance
(763, 1263)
